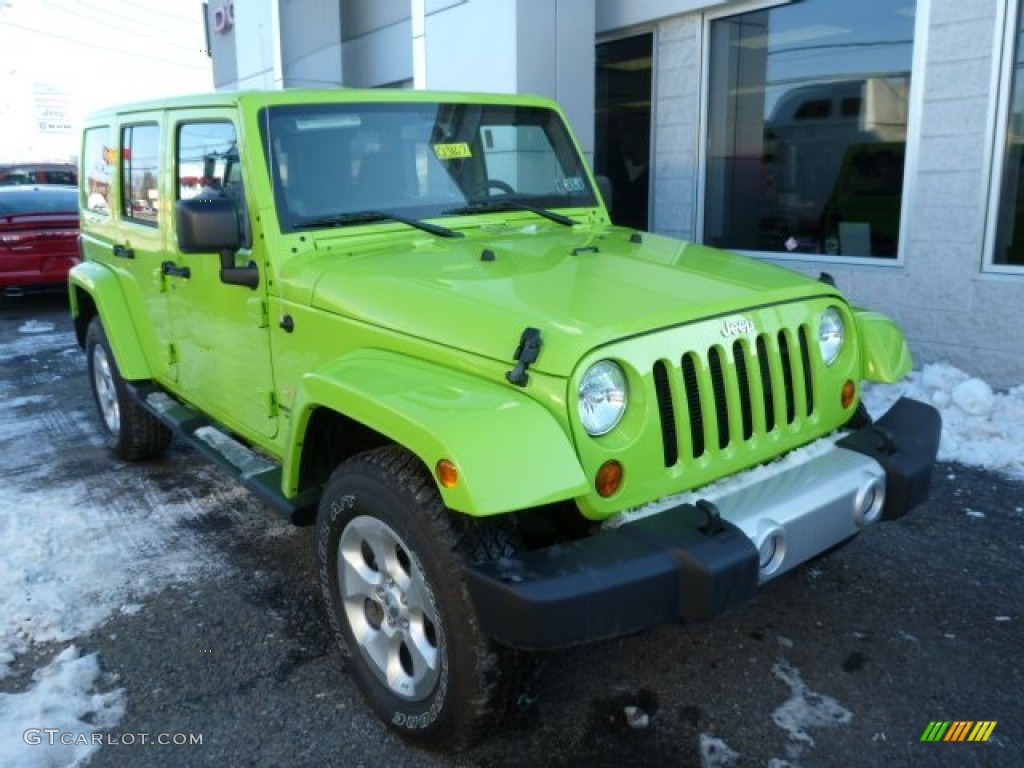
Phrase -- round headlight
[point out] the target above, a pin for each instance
(602, 397)
(831, 333)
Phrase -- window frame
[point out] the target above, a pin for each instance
(911, 166)
(124, 178)
(242, 202)
(84, 177)
(654, 30)
(561, 143)
(1008, 17)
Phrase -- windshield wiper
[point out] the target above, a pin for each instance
(368, 217)
(510, 205)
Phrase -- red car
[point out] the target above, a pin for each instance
(38, 236)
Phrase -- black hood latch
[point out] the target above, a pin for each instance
(526, 354)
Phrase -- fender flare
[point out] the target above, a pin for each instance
(104, 288)
(510, 452)
(884, 351)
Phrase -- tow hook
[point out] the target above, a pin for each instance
(712, 517)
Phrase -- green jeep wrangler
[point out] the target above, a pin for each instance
(407, 317)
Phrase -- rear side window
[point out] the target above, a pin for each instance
(140, 166)
(98, 157)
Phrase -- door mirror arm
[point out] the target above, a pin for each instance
(249, 275)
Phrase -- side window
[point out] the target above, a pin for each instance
(98, 158)
(140, 166)
(209, 166)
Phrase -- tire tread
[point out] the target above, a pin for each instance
(465, 539)
(141, 436)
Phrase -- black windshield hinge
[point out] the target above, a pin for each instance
(526, 353)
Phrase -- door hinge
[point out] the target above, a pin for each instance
(271, 405)
(172, 361)
(258, 312)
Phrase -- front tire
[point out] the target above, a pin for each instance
(132, 433)
(391, 576)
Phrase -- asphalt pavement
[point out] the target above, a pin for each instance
(843, 662)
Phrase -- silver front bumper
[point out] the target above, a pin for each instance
(807, 509)
(796, 511)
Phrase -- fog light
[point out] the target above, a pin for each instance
(609, 478)
(447, 473)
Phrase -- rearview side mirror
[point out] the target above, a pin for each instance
(208, 225)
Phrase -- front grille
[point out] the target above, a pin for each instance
(725, 395)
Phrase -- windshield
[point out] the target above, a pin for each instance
(418, 160)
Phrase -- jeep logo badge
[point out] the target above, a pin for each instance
(737, 327)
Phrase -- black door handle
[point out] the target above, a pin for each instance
(170, 268)
(124, 252)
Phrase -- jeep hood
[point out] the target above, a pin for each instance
(582, 290)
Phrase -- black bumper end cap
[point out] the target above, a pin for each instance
(905, 441)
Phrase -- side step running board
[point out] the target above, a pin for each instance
(256, 473)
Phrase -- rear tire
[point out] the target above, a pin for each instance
(132, 433)
(390, 563)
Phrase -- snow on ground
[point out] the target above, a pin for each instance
(61, 697)
(35, 326)
(980, 427)
(85, 537)
(715, 753)
(805, 709)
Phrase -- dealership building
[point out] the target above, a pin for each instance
(880, 141)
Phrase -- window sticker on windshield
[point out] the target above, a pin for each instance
(452, 151)
(570, 184)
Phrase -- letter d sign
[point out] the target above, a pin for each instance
(224, 17)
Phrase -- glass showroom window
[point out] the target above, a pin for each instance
(1009, 245)
(807, 128)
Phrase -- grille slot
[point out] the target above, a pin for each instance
(767, 390)
(739, 358)
(720, 396)
(724, 397)
(787, 377)
(693, 405)
(805, 357)
(667, 412)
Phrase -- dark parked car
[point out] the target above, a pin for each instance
(13, 174)
(38, 236)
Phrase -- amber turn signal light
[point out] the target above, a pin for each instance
(849, 393)
(447, 473)
(609, 478)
